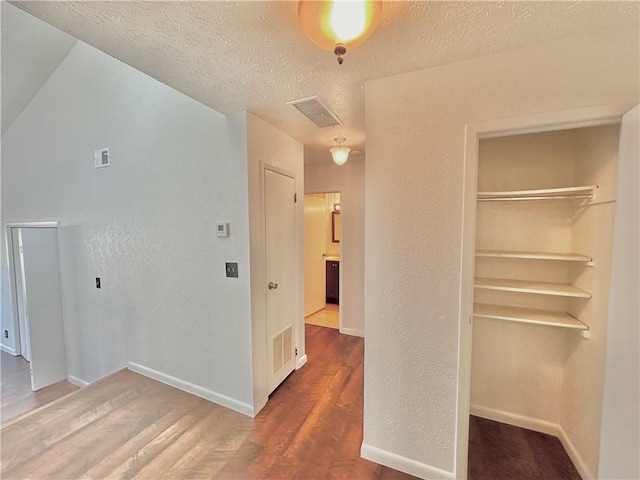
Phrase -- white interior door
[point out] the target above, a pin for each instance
(314, 251)
(280, 272)
(42, 293)
(23, 331)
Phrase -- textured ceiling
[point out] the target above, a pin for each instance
(31, 51)
(235, 56)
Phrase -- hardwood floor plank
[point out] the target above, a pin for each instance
(129, 426)
(17, 397)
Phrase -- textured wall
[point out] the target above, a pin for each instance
(592, 233)
(145, 224)
(414, 183)
(268, 145)
(348, 179)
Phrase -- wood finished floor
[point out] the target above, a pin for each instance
(329, 316)
(129, 426)
(17, 397)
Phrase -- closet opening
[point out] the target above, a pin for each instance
(322, 233)
(538, 232)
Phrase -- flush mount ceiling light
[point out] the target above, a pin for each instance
(340, 153)
(338, 25)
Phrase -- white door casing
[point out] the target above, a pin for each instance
(314, 251)
(42, 293)
(280, 275)
(620, 439)
(22, 333)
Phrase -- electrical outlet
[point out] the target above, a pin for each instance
(98, 282)
(231, 269)
(6, 334)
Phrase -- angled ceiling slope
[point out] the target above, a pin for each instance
(235, 56)
(31, 51)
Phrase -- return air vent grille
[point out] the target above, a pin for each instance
(317, 111)
(282, 349)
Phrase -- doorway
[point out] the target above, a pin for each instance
(36, 293)
(508, 270)
(280, 227)
(322, 255)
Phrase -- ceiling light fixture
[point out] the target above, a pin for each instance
(340, 153)
(338, 25)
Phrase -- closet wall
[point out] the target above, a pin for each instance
(547, 378)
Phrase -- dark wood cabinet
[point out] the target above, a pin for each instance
(333, 281)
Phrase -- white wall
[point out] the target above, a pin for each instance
(592, 233)
(621, 410)
(414, 183)
(348, 179)
(268, 145)
(145, 224)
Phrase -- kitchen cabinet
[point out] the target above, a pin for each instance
(333, 281)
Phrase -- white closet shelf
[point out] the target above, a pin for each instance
(584, 192)
(539, 288)
(569, 257)
(528, 315)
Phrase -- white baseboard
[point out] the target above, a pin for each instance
(530, 423)
(196, 390)
(301, 361)
(259, 405)
(77, 381)
(575, 457)
(537, 425)
(9, 350)
(403, 464)
(352, 331)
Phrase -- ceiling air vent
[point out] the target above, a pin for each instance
(317, 111)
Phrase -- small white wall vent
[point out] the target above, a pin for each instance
(101, 158)
(316, 110)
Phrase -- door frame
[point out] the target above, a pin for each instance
(474, 132)
(340, 282)
(13, 287)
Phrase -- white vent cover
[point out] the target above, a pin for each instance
(101, 158)
(317, 111)
(282, 345)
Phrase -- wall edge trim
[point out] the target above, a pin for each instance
(301, 361)
(403, 464)
(575, 457)
(194, 389)
(7, 349)
(352, 331)
(530, 423)
(78, 382)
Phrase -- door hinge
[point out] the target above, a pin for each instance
(296, 351)
(21, 250)
(295, 198)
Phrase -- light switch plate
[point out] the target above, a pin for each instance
(231, 269)
(222, 229)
